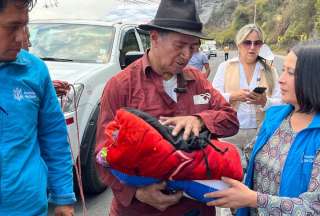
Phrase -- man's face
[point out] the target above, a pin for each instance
(13, 21)
(173, 50)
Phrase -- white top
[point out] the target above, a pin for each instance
(266, 53)
(246, 113)
(169, 86)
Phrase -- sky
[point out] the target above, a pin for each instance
(113, 10)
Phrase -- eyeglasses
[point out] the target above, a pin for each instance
(249, 43)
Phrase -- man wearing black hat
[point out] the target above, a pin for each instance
(161, 85)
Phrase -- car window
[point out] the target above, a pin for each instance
(213, 47)
(76, 42)
(145, 39)
(130, 42)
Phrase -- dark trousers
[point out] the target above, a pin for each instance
(226, 56)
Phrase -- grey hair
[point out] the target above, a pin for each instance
(246, 30)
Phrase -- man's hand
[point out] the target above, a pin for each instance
(188, 123)
(237, 196)
(153, 196)
(241, 95)
(66, 210)
(258, 99)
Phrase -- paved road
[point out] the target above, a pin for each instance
(98, 205)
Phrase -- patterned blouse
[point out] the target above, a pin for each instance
(268, 167)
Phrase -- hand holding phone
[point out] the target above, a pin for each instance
(257, 97)
(259, 90)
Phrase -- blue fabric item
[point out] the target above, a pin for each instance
(136, 181)
(34, 151)
(297, 170)
(193, 189)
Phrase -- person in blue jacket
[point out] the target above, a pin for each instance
(35, 159)
(283, 174)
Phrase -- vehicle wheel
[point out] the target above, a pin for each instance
(91, 180)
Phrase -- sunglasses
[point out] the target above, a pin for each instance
(249, 43)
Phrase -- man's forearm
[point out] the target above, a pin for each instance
(207, 69)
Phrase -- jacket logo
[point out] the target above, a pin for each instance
(202, 98)
(17, 94)
(308, 159)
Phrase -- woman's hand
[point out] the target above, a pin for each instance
(258, 99)
(237, 196)
(241, 95)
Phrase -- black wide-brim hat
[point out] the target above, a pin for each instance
(177, 16)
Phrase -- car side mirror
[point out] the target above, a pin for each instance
(130, 57)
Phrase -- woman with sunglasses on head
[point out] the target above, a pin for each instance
(283, 175)
(237, 78)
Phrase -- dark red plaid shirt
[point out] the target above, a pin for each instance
(138, 86)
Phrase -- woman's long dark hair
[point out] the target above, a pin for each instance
(307, 76)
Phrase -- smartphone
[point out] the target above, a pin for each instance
(259, 90)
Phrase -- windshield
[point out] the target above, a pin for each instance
(204, 47)
(71, 42)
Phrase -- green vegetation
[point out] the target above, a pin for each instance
(284, 22)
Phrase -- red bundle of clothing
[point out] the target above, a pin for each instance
(139, 145)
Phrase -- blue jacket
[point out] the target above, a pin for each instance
(34, 151)
(296, 174)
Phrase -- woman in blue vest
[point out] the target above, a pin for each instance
(283, 174)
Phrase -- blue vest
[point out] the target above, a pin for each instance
(296, 173)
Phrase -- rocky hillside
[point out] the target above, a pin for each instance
(284, 21)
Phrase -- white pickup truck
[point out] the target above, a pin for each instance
(86, 54)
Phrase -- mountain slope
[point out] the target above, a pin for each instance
(285, 22)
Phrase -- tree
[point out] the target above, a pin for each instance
(317, 18)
